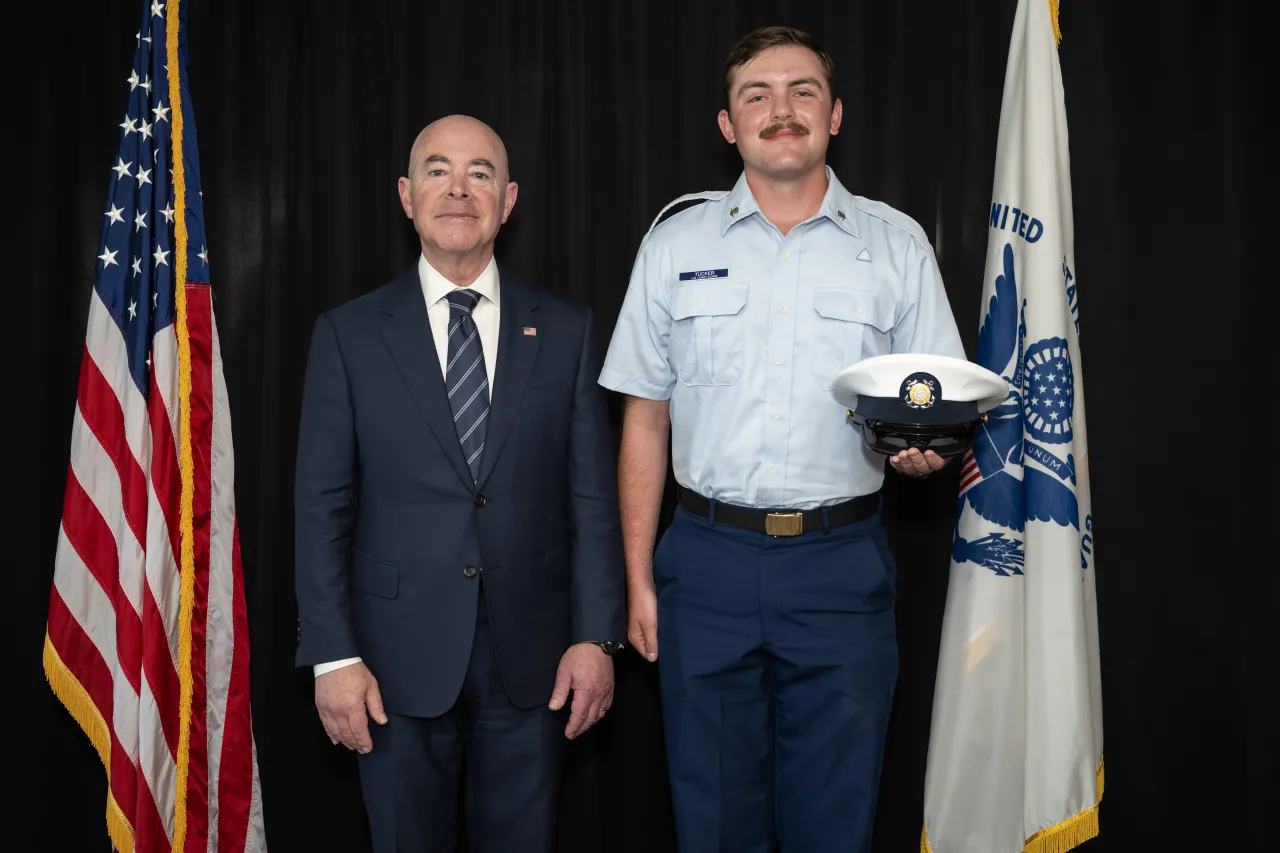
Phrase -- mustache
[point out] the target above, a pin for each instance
(774, 129)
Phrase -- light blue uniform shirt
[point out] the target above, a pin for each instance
(743, 329)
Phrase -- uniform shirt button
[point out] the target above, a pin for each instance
(480, 500)
(786, 255)
(776, 415)
(773, 469)
(782, 308)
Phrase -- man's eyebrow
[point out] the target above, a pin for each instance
(760, 84)
(475, 161)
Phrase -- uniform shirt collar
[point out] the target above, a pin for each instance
(837, 204)
(436, 287)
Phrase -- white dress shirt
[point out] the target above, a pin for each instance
(435, 288)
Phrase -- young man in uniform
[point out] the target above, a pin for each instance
(771, 596)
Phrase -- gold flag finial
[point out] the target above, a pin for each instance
(1053, 16)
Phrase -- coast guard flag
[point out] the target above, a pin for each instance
(1015, 752)
(147, 639)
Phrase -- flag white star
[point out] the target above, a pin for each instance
(137, 266)
(133, 309)
(143, 176)
(107, 257)
(147, 39)
(146, 84)
(128, 126)
(133, 79)
(121, 168)
(155, 298)
(161, 111)
(145, 129)
(168, 213)
(156, 8)
(114, 214)
(140, 221)
(161, 257)
(203, 255)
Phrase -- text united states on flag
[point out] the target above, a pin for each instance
(147, 642)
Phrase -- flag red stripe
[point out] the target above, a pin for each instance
(236, 771)
(200, 331)
(102, 414)
(93, 540)
(84, 660)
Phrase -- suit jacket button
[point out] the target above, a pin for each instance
(479, 500)
(469, 571)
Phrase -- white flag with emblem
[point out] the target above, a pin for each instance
(1015, 751)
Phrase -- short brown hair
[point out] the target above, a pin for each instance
(758, 41)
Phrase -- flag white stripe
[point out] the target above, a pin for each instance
(220, 645)
(159, 768)
(162, 563)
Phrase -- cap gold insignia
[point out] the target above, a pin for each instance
(920, 394)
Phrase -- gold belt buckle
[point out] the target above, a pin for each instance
(784, 523)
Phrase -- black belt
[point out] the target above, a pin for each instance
(780, 522)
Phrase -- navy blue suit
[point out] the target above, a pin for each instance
(460, 596)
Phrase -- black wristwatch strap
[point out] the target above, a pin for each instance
(608, 646)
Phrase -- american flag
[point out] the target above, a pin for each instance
(147, 638)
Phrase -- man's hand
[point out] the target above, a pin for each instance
(588, 672)
(642, 621)
(342, 697)
(916, 464)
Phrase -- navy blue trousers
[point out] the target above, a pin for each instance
(777, 661)
(503, 762)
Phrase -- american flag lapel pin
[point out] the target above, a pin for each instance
(531, 331)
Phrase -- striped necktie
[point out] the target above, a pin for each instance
(465, 377)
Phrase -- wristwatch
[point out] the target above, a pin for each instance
(608, 646)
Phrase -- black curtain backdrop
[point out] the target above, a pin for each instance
(305, 114)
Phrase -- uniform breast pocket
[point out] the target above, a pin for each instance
(851, 325)
(708, 346)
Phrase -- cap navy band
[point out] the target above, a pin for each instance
(894, 410)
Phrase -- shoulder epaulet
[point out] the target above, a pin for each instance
(697, 198)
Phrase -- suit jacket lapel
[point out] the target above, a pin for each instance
(516, 354)
(407, 334)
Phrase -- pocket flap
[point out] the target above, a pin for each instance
(707, 299)
(854, 306)
(373, 576)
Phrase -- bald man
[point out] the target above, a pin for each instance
(459, 562)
